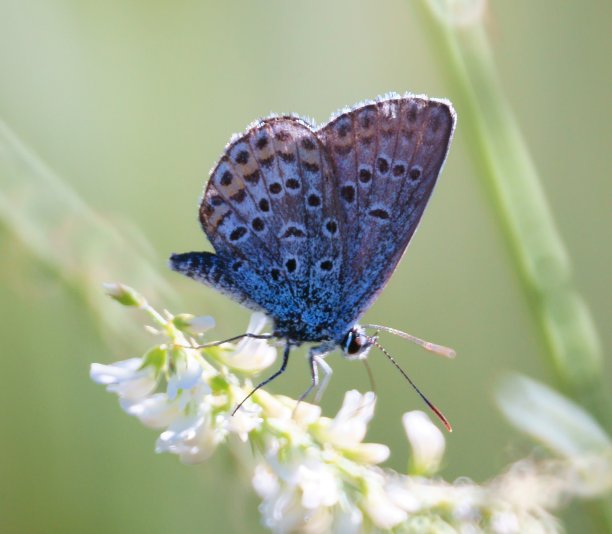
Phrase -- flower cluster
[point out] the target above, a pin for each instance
(175, 388)
(314, 473)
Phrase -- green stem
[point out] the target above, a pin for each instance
(64, 234)
(505, 166)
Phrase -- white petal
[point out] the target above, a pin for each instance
(193, 438)
(154, 411)
(349, 519)
(426, 440)
(506, 522)
(257, 323)
(349, 426)
(188, 372)
(370, 453)
(382, 510)
(201, 323)
(253, 355)
(319, 486)
(112, 373)
(265, 482)
(125, 378)
(244, 421)
(408, 499)
(283, 513)
(303, 413)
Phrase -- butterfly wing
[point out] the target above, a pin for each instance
(308, 226)
(268, 210)
(214, 271)
(386, 157)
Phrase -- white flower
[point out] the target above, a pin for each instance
(426, 440)
(298, 494)
(348, 519)
(252, 355)
(403, 496)
(347, 430)
(319, 484)
(383, 512)
(505, 522)
(193, 438)
(280, 508)
(315, 473)
(265, 482)
(245, 420)
(187, 372)
(351, 422)
(154, 411)
(127, 378)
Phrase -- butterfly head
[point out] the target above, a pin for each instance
(356, 343)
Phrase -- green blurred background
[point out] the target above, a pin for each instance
(131, 103)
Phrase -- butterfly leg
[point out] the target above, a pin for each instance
(327, 374)
(269, 379)
(316, 360)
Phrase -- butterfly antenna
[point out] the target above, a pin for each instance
(432, 407)
(427, 345)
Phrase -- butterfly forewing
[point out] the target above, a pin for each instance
(268, 206)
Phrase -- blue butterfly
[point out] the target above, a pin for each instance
(308, 224)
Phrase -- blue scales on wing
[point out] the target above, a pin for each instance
(269, 211)
(386, 157)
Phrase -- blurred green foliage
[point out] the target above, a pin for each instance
(130, 104)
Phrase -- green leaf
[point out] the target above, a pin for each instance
(156, 357)
(550, 418)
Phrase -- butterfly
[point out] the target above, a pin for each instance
(308, 223)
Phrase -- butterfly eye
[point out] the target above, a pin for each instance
(355, 344)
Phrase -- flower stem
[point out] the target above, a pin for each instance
(506, 167)
(65, 235)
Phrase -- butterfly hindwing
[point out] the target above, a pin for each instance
(212, 270)
(390, 152)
